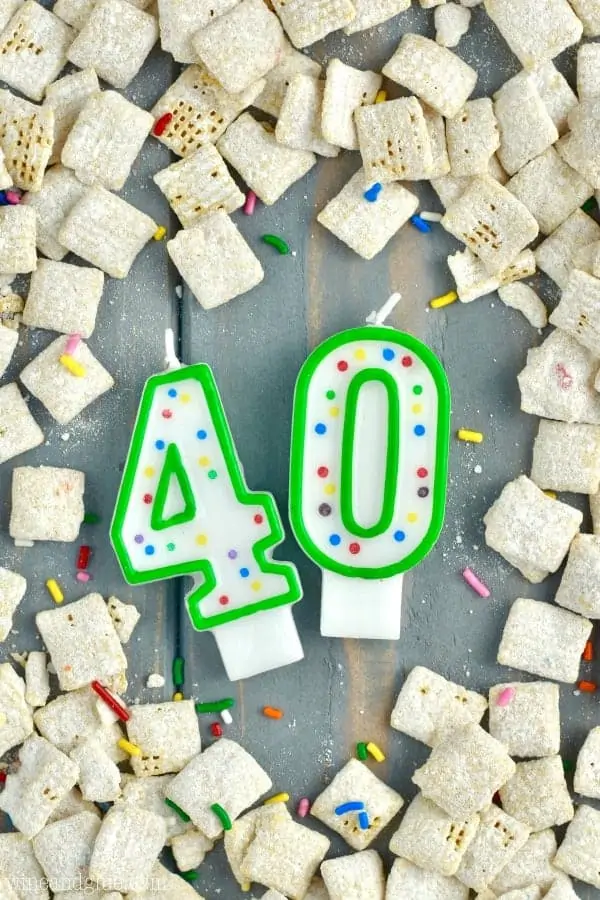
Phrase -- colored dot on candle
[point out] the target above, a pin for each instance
(354, 549)
(232, 554)
(335, 540)
(418, 390)
(201, 435)
(412, 517)
(360, 354)
(330, 395)
(172, 392)
(399, 536)
(423, 492)
(201, 540)
(422, 472)
(342, 366)
(149, 550)
(139, 538)
(223, 600)
(244, 572)
(322, 471)
(407, 362)
(334, 411)
(388, 354)
(170, 547)
(417, 408)
(324, 509)
(259, 519)
(320, 428)
(160, 445)
(329, 488)
(167, 414)
(255, 585)
(149, 471)
(185, 398)
(419, 430)
(204, 461)
(147, 498)
(212, 474)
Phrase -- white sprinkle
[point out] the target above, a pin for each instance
(179, 291)
(227, 717)
(65, 436)
(155, 681)
(20, 543)
(478, 470)
(431, 216)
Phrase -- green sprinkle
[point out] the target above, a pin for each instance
(182, 815)
(361, 751)
(179, 671)
(222, 815)
(212, 474)
(277, 242)
(568, 765)
(91, 519)
(189, 876)
(215, 706)
(589, 205)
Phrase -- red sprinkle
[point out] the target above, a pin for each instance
(588, 653)
(564, 378)
(3, 777)
(216, 730)
(160, 125)
(303, 807)
(587, 687)
(83, 557)
(118, 709)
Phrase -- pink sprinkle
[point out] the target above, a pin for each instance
(250, 204)
(72, 344)
(83, 576)
(506, 696)
(303, 807)
(474, 582)
(12, 197)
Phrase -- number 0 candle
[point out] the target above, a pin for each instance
(368, 472)
(184, 509)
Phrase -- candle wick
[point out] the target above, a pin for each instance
(171, 360)
(378, 317)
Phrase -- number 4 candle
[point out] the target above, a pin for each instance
(368, 472)
(184, 509)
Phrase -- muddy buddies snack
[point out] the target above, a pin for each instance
(529, 724)
(532, 37)
(473, 138)
(578, 853)
(33, 49)
(537, 794)
(168, 735)
(356, 877)
(19, 431)
(579, 587)
(346, 90)
(394, 140)
(566, 457)
(555, 255)
(126, 848)
(578, 309)
(299, 122)
(47, 504)
(526, 128)
(12, 591)
(587, 773)
(407, 881)
(17, 240)
(306, 22)
(56, 196)
(64, 298)
(17, 724)
(499, 838)
(64, 849)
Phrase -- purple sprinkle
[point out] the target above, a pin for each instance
(139, 538)
(232, 554)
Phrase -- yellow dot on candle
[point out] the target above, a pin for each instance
(201, 540)
(334, 411)
(329, 488)
(412, 517)
(417, 408)
(204, 461)
(255, 585)
(149, 471)
(360, 353)
(185, 398)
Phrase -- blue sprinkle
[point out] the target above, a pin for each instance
(160, 445)
(373, 193)
(3, 200)
(335, 540)
(399, 536)
(172, 392)
(420, 224)
(350, 806)
(419, 430)
(244, 572)
(388, 354)
(149, 550)
(320, 428)
(201, 435)
(363, 820)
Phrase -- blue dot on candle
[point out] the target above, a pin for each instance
(244, 572)
(149, 550)
(201, 435)
(160, 445)
(399, 536)
(139, 538)
(172, 392)
(335, 540)
(320, 428)
(388, 354)
(419, 430)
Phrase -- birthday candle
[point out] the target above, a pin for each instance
(368, 471)
(184, 509)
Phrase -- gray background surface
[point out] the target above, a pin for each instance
(344, 690)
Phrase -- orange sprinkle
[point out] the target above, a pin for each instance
(271, 712)
(588, 687)
(67, 668)
(588, 653)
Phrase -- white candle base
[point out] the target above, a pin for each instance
(360, 607)
(259, 643)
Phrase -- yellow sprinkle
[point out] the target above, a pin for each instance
(149, 471)
(550, 494)
(177, 696)
(54, 590)
(444, 300)
(159, 233)
(417, 408)
(412, 517)
(74, 367)
(334, 411)
(204, 461)
(185, 398)
(375, 752)
(201, 540)
(128, 747)
(471, 437)
(255, 585)
(360, 354)
(381, 97)
(245, 887)
(329, 488)
(277, 798)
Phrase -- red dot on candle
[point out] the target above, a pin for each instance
(223, 600)
(322, 471)
(147, 498)
(354, 549)
(342, 365)
(167, 414)
(407, 361)
(422, 472)
(259, 519)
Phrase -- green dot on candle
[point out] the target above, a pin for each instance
(212, 474)
(417, 389)
(330, 395)
(170, 547)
